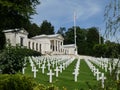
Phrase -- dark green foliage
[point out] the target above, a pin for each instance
(86, 39)
(12, 58)
(69, 36)
(62, 31)
(2, 40)
(109, 49)
(33, 29)
(46, 28)
(21, 82)
(16, 82)
(29, 52)
(40, 87)
(15, 14)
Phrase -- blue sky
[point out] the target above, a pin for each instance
(60, 13)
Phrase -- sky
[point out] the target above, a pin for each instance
(89, 13)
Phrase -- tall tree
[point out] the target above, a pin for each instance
(93, 35)
(69, 36)
(15, 14)
(61, 31)
(46, 28)
(92, 39)
(81, 38)
(33, 30)
(112, 19)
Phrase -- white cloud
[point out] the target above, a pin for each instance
(60, 12)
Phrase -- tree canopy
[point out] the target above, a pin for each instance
(15, 14)
(46, 28)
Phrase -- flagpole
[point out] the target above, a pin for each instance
(75, 33)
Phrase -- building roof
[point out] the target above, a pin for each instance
(48, 36)
(69, 45)
(11, 30)
(23, 31)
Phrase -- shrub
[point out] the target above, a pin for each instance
(12, 58)
(16, 82)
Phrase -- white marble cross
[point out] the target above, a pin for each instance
(61, 68)
(117, 75)
(102, 79)
(102, 64)
(94, 71)
(57, 70)
(75, 75)
(98, 73)
(35, 70)
(50, 74)
(56, 62)
(48, 65)
(110, 68)
(106, 66)
(53, 64)
(23, 70)
(43, 68)
(39, 64)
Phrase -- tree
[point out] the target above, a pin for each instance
(15, 14)
(92, 39)
(81, 38)
(46, 28)
(69, 36)
(33, 30)
(112, 18)
(61, 31)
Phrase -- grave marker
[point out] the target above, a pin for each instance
(57, 70)
(35, 70)
(50, 74)
(102, 79)
(43, 68)
(75, 75)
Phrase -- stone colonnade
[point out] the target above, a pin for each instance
(56, 45)
(34, 45)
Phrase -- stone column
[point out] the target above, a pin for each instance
(54, 45)
(58, 46)
(62, 46)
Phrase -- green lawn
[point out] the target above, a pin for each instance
(66, 79)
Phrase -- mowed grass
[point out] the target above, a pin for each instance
(66, 78)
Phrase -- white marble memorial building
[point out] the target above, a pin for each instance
(46, 44)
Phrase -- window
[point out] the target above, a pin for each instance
(21, 41)
(33, 45)
(40, 47)
(36, 46)
(29, 45)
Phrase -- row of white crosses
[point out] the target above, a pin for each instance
(24, 66)
(57, 69)
(96, 72)
(33, 67)
(106, 64)
(76, 70)
(49, 63)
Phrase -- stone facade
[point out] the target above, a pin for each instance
(46, 44)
